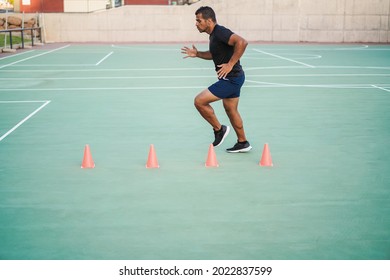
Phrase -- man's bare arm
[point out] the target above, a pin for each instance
(195, 53)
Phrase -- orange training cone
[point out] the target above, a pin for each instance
(211, 158)
(152, 158)
(266, 159)
(87, 160)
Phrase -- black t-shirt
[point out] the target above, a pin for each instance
(221, 51)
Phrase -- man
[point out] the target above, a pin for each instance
(225, 49)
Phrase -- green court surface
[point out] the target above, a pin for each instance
(324, 110)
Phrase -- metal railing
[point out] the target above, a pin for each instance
(21, 30)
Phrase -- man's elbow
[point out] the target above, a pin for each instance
(244, 43)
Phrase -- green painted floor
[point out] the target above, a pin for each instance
(323, 110)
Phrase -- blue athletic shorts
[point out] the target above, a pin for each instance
(227, 88)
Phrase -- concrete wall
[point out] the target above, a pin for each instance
(346, 21)
(255, 20)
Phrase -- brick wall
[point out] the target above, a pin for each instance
(43, 6)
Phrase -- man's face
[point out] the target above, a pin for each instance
(201, 23)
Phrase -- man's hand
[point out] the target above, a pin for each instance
(224, 70)
(189, 52)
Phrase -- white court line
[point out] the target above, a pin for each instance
(102, 88)
(106, 78)
(364, 47)
(53, 65)
(117, 70)
(284, 58)
(320, 75)
(266, 83)
(193, 69)
(187, 77)
(317, 67)
(340, 86)
(104, 58)
(381, 88)
(22, 101)
(335, 86)
(34, 56)
(259, 85)
(312, 48)
(301, 56)
(9, 56)
(25, 119)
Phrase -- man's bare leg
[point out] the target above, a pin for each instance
(231, 108)
(202, 103)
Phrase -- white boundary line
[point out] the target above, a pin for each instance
(22, 101)
(381, 88)
(284, 58)
(104, 88)
(55, 65)
(9, 56)
(301, 57)
(362, 48)
(339, 86)
(258, 84)
(109, 78)
(25, 119)
(117, 69)
(104, 58)
(34, 56)
(247, 69)
(189, 77)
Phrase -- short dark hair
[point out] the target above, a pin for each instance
(207, 12)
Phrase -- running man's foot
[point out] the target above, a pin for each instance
(240, 147)
(220, 135)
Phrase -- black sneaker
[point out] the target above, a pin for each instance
(240, 147)
(220, 135)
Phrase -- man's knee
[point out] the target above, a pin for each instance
(200, 100)
(204, 99)
(197, 102)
